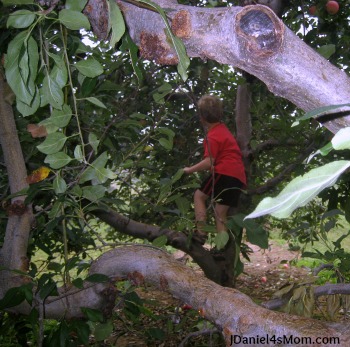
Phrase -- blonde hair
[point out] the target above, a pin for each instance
(210, 108)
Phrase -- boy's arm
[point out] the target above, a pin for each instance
(205, 164)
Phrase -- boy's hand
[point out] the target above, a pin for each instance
(187, 170)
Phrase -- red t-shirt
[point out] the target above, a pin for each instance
(223, 148)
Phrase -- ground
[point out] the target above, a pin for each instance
(171, 321)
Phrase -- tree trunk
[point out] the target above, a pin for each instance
(20, 217)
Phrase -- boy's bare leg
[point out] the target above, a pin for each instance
(221, 217)
(200, 209)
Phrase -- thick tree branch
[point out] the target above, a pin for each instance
(327, 289)
(251, 38)
(150, 232)
(270, 184)
(229, 309)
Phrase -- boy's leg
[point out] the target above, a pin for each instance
(221, 217)
(200, 208)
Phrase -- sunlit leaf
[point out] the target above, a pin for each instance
(89, 67)
(94, 193)
(327, 50)
(58, 160)
(160, 241)
(20, 19)
(53, 143)
(75, 5)
(59, 185)
(116, 21)
(73, 20)
(21, 66)
(221, 239)
(52, 92)
(61, 118)
(341, 139)
(301, 190)
(96, 102)
(17, 2)
(103, 330)
(97, 164)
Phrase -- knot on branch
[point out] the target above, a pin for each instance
(260, 31)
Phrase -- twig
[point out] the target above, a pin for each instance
(198, 333)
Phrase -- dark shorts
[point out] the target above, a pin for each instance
(227, 189)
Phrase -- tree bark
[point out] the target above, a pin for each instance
(251, 38)
(20, 217)
(232, 311)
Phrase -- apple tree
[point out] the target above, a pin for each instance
(98, 117)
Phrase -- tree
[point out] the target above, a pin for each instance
(62, 88)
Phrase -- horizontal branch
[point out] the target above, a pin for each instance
(228, 308)
(272, 183)
(251, 38)
(327, 289)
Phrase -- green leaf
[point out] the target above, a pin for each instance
(116, 21)
(53, 143)
(17, 2)
(78, 153)
(20, 19)
(61, 118)
(28, 110)
(321, 111)
(93, 141)
(75, 5)
(52, 92)
(96, 102)
(73, 20)
(78, 282)
(94, 193)
(301, 190)
(167, 144)
(97, 278)
(341, 140)
(133, 52)
(97, 164)
(161, 92)
(103, 330)
(221, 239)
(21, 67)
(59, 185)
(58, 160)
(160, 241)
(13, 297)
(177, 176)
(92, 314)
(89, 67)
(256, 234)
(59, 71)
(326, 51)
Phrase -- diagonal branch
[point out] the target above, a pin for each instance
(270, 184)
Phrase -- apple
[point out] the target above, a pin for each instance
(332, 7)
(312, 10)
(285, 266)
(263, 279)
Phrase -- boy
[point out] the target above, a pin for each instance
(223, 158)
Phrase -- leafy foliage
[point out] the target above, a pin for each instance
(114, 130)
